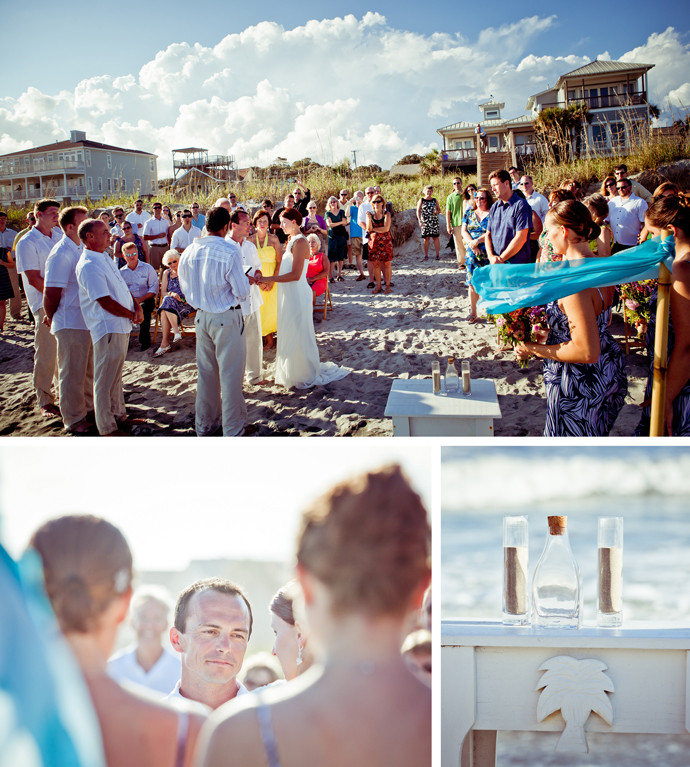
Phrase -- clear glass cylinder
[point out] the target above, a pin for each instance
(466, 382)
(515, 571)
(452, 379)
(556, 583)
(436, 377)
(610, 591)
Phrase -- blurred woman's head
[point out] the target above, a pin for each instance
(574, 217)
(87, 566)
(290, 644)
(560, 195)
(598, 207)
(667, 189)
(669, 214)
(367, 541)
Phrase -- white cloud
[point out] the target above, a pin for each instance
(322, 89)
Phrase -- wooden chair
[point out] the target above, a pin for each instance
(327, 302)
(632, 340)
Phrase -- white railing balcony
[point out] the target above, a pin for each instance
(38, 169)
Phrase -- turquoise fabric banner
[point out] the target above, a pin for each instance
(502, 288)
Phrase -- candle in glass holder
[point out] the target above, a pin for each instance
(515, 570)
(610, 594)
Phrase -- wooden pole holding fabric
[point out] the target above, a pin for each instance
(656, 427)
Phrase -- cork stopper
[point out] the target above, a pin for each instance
(557, 525)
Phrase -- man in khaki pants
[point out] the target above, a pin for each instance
(454, 220)
(64, 318)
(32, 252)
(109, 310)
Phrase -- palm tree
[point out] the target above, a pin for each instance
(576, 687)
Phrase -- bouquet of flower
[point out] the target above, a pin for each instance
(636, 300)
(520, 325)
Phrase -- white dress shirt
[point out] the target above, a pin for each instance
(161, 677)
(627, 218)
(197, 705)
(158, 226)
(137, 220)
(183, 239)
(61, 273)
(251, 258)
(98, 276)
(32, 253)
(211, 275)
(539, 204)
(140, 280)
(364, 208)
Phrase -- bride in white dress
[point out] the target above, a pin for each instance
(297, 356)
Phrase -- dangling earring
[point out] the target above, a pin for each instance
(300, 660)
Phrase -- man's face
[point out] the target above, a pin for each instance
(187, 220)
(620, 174)
(501, 189)
(119, 215)
(131, 257)
(233, 200)
(290, 202)
(99, 238)
(298, 195)
(195, 210)
(150, 620)
(215, 637)
(624, 188)
(157, 210)
(74, 228)
(457, 185)
(138, 205)
(514, 175)
(526, 184)
(370, 192)
(241, 229)
(48, 218)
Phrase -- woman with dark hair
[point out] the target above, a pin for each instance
(474, 226)
(546, 251)
(270, 252)
(87, 568)
(380, 243)
(130, 236)
(608, 187)
(290, 645)
(574, 186)
(363, 562)
(428, 211)
(469, 198)
(584, 374)
(599, 210)
(297, 356)
(669, 217)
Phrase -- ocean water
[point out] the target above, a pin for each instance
(648, 486)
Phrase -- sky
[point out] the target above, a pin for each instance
(177, 502)
(320, 80)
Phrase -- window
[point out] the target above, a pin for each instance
(617, 135)
(80, 157)
(604, 97)
(152, 163)
(493, 143)
(469, 143)
(108, 185)
(88, 158)
(50, 158)
(599, 136)
(123, 185)
(491, 114)
(137, 184)
(89, 183)
(153, 185)
(108, 161)
(100, 184)
(116, 185)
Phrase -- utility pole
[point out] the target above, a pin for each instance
(354, 155)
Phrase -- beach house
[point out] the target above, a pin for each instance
(73, 169)
(614, 92)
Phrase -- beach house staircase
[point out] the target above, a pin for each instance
(488, 162)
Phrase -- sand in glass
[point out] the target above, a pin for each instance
(515, 571)
(610, 594)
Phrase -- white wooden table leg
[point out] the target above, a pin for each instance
(479, 749)
(457, 701)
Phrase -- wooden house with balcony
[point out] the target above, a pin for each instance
(73, 170)
(615, 93)
(195, 170)
(506, 142)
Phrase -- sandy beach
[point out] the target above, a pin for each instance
(379, 338)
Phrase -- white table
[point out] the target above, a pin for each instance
(418, 412)
(494, 678)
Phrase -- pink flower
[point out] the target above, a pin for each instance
(500, 321)
(631, 304)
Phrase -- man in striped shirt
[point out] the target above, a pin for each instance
(213, 281)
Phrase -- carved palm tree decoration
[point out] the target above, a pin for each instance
(576, 687)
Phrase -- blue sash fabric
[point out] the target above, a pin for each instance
(503, 288)
(48, 718)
